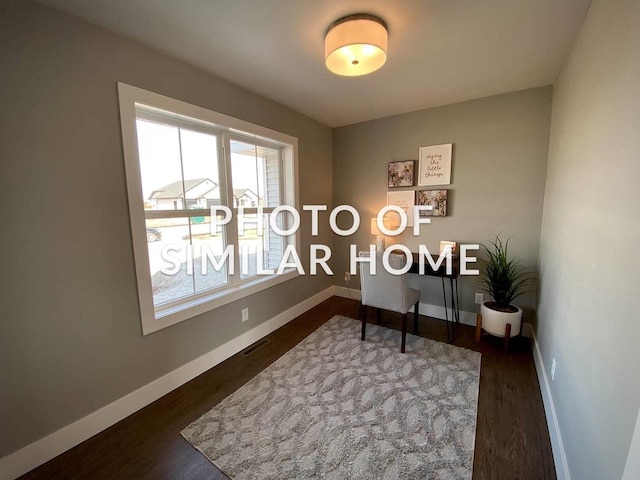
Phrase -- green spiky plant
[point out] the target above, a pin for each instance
(502, 278)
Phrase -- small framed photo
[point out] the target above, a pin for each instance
(404, 200)
(452, 245)
(435, 198)
(435, 165)
(402, 174)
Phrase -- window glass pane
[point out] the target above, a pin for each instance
(270, 159)
(200, 167)
(208, 247)
(250, 245)
(255, 175)
(274, 247)
(168, 242)
(160, 167)
(258, 249)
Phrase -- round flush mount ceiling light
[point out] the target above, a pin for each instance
(356, 45)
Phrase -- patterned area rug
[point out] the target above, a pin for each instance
(335, 407)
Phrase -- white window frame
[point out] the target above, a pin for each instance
(153, 319)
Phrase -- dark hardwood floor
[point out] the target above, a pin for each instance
(512, 441)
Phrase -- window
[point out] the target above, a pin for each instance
(182, 160)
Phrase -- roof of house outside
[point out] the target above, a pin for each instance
(239, 192)
(174, 190)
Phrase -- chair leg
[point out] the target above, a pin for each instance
(416, 314)
(378, 316)
(363, 316)
(404, 333)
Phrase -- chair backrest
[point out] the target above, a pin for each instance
(383, 290)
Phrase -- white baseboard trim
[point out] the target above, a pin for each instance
(527, 330)
(426, 309)
(43, 450)
(437, 311)
(559, 456)
(429, 310)
(632, 466)
(345, 292)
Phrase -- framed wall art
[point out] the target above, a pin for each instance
(405, 200)
(435, 165)
(401, 174)
(436, 198)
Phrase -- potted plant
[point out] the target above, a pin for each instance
(504, 280)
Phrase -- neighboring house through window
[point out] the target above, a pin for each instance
(198, 192)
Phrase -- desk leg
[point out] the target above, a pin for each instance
(455, 302)
(455, 282)
(446, 313)
(403, 343)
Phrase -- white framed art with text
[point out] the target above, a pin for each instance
(435, 165)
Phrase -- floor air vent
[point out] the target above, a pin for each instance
(252, 348)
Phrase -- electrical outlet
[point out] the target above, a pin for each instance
(479, 298)
(553, 369)
(347, 277)
(245, 314)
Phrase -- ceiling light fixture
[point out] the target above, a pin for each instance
(356, 45)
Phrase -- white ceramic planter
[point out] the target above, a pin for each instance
(495, 322)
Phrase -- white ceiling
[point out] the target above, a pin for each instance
(440, 51)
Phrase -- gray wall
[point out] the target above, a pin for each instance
(70, 335)
(499, 166)
(590, 237)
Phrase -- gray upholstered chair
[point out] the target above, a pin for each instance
(387, 292)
